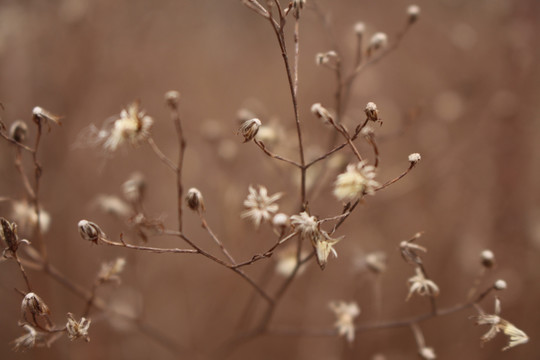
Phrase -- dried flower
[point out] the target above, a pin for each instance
(42, 114)
(306, 224)
(132, 127)
(421, 285)
(378, 40)
(34, 305)
(90, 231)
(517, 337)
(8, 234)
(18, 131)
(324, 58)
(345, 314)
(409, 250)
(280, 220)
(376, 262)
(26, 341)
(113, 205)
(413, 11)
(322, 113)
(249, 129)
(414, 158)
(260, 206)
(324, 246)
(371, 111)
(77, 329)
(26, 216)
(172, 98)
(357, 181)
(359, 28)
(297, 5)
(110, 271)
(427, 353)
(487, 258)
(194, 200)
(500, 285)
(134, 188)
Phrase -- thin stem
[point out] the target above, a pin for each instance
(260, 144)
(216, 239)
(390, 182)
(161, 155)
(23, 272)
(175, 116)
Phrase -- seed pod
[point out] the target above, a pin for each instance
(371, 111)
(18, 131)
(34, 305)
(90, 231)
(194, 200)
(249, 129)
(8, 234)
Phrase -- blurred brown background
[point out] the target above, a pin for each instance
(471, 67)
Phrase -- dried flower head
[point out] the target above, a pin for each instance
(39, 114)
(500, 285)
(90, 231)
(172, 98)
(280, 220)
(413, 11)
(110, 271)
(306, 224)
(34, 305)
(324, 246)
(194, 200)
(325, 58)
(517, 337)
(18, 131)
(26, 341)
(371, 111)
(297, 5)
(322, 113)
(249, 129)
(345, 314)
(421, 285)
(414, 158)
(378, 40)
(134, 188)
(77, 329)
(356, 182)
(27, 218)
(132, 127)
(8, 234)
(359, 28)
(376, 262)
(488, 259)
(112, 205)
(409, 250)
(260, 206)
(427, 353)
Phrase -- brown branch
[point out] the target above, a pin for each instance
(161, 155)
(261, 145)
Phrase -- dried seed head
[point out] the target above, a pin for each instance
(413, 11)
(249, 129)
(110, 271)
(34, 305)
(18, 131)
(345, 315)
(280, 220)
(324, 58)
(259, 206)
(194, 200)
(371, 111)
(322, 113)
(42, 114)
(132, 127)
(378, 41)
(356, 182)
(90, 231)
(359, 28)
(26, 341)
(134, 188)
(414, 158)
(500, 285)
(113, 205)
(488, 259)
(77, 329)
(172, 98)
(376, 262)
(422, 285)
(8, 234)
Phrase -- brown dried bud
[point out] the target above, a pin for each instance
(8, 234)
(42, 114)
(194, 200)
(371, 111)
(172, 98)
(90, 231)
(322, 113)
(413, 11)
(34, 305)
(18, 131)
(249, 129)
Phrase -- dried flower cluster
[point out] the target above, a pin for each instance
(357, 181)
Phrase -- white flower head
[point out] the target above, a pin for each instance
(517, 337)
(260, 206)
(306, 224)
(500, 285)
(378, 40)
(414, 158)
(77, 329)
(133, 127)
(421, 285)
(345, 314)
(357, 181)
(324, 246)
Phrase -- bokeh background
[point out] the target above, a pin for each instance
(461, 89)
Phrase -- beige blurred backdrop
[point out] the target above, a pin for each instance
(469, 72)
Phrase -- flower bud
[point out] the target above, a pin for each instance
(488, 259)
(322, 113)
(414, 158)
(280, 220)
(18, 131)
(134, 188)
(359, 28)
(500, 285)
(90, 231)
(194, 200)
(378, 40)
(34, 305)
(42, 114)
(413, 11)
(8, 234)
(249, 129)
(172, 98)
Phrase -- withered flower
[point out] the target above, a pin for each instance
(249, 129)
(90, 231)
(77, 329)
(194, 200)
